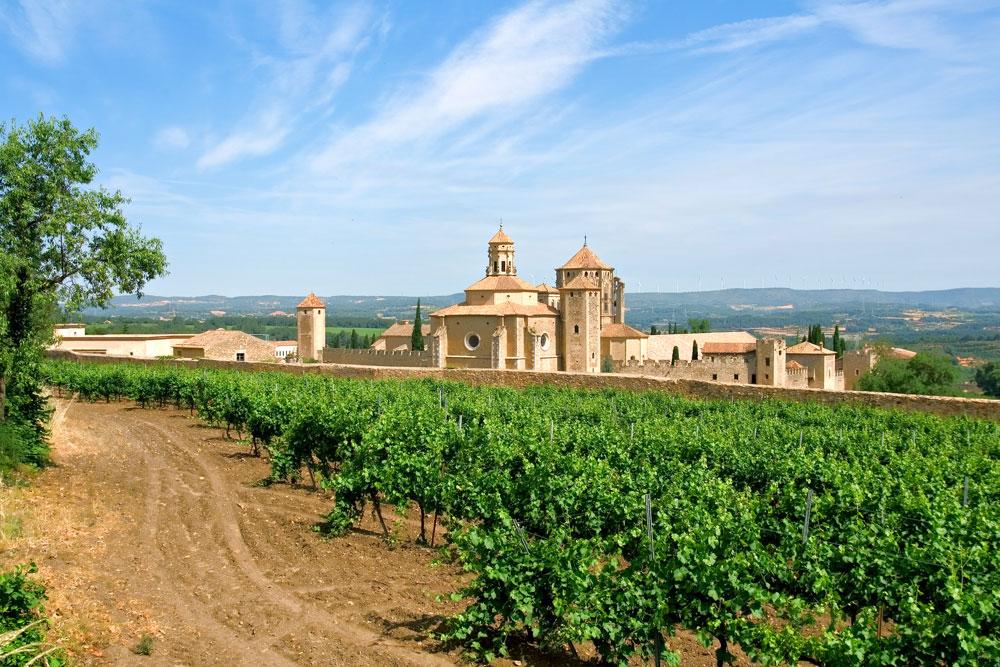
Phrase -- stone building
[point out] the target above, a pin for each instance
(398, 336)
(122, 345)
(225, 345)
(820, 364)
(311, 328)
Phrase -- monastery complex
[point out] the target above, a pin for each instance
(506, 323)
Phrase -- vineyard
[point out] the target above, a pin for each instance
(799, 533)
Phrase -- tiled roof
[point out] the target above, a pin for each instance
(405, 328)
(901, 353)
(546, 288)
(805, 347)
(501, 284)
(793, 365)
(584, 259)
(216, 336)
(311, 301)
(728, 348)
(661, 346)
(619, 330)
(501, 237)
(581, 282)
(505, 308)
(284, 343)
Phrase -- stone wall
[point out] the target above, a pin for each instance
(370, 357)
(724, 369)
(937, 405)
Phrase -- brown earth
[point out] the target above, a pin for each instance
(150, 523)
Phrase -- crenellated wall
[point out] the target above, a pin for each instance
(370, 357)
(709, 369)
(946, 406)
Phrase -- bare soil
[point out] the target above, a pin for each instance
(150, 523)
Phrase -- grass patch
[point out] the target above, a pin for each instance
(145, 645)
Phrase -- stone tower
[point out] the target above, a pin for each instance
(501, 255)
(771, 362)
(311, 321)
(581, 325)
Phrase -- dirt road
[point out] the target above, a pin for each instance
(150, 523)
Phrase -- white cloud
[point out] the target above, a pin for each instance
(743, 34)
(43, 28)
(314, 58)
(172, 138)
(520, 58)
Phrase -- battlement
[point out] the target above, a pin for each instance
(370, 357)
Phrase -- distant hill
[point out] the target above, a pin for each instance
(969, 298)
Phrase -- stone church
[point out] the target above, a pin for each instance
(506, 322)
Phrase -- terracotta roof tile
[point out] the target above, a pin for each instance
(405, 328)
(311, 301)
(216, 336)
(580, 282)
(619, 330)
(505, 308)
(584, 259)
(728, 348)
(546, 288)
(794, 365)
(501, 284)
(805, 347)
(501, 237)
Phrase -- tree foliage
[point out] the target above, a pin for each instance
(927, 373)
(60, 240)
(988, 379)
(417, 337)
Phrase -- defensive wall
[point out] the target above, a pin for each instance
(384, 358)
(938, 405)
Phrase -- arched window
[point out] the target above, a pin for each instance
(576, 328)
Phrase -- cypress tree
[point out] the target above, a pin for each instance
(694, 352)
(676, 356)
(653, 331)
(417, 337)
(354, 339)
(836, 340)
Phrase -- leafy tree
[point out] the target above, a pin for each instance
(653, 331)
(676, 356)
(694, 351)
(928, 373)
(417, 337)
(59, 240)
(354, 339)
(988, 379)
(698, 326)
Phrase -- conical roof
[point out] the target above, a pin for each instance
(501, 237)
(585, 259)
(311, 301)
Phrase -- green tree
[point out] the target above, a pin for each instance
(653, 331)
(676, 356)
(698, 326)
(928, 373)
(837, 342)
(60, 240)
(417, 337)
(694, 351)
(988, 379)
(354, 339)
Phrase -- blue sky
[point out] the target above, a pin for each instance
(372, 147)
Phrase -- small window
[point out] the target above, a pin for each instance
(544, 341)
(767, 376)
(715, 376)
(857, 371)
(496, 267)
(319, 312)
(767, 361)
(241, 356)
(472, 341)
(736, 376)
(503, 266)
(576, 328)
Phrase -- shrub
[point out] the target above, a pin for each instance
(21, 620)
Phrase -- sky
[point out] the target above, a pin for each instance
(374, 147)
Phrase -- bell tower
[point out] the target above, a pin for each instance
(501, 255)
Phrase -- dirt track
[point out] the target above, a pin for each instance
(150, 522)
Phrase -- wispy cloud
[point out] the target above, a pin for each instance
(172, 138)
(43, 28)
(517, 60)
(313, 57)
